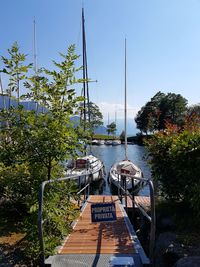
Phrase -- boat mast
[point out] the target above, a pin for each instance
(125, 108)
(34, 47)
(83, 51)
(35, 67)
(1, 86)
(87, 86)
(85, 75)
(2, 93)
(115, 122)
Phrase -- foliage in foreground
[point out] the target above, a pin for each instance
(175, 160)
(59, 211)
(34, 144)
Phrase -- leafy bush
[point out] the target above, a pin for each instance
(59, 211)
(34, 145)
(175, 160)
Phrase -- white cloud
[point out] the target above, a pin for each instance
(116, 110)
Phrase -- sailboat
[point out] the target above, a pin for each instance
(87, 167)
(122, 172)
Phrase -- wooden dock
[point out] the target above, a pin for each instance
(101, 243)
(139, 200)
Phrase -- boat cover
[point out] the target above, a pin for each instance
(127, 167)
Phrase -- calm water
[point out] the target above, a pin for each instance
(112, 154)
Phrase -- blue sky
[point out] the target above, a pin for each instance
(163, 44)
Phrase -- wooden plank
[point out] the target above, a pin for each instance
(142, 200)
(99, 237)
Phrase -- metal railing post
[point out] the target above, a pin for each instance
(85, 189)
(118, 189)
(79, 186)
(133, 199)
(153, 221)
(40, 212)
(151, 218)
(125, 187)
(88, 190)
(40, 223)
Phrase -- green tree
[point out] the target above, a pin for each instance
(122, 135)
(172, 108)
(147, 119)
(194, 109)
(34, 147)
(16, 70)
(48, 137)
(96, 117)
(58, 140)
(160, 109)
(111, 128)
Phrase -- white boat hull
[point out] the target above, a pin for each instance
(108, 142)
(93, 172)
(116, 142)
(115, 175)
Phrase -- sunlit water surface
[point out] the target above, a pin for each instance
(111, 154)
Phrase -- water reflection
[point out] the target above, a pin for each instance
(111, 154)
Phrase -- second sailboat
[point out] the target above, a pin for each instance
(125, 173)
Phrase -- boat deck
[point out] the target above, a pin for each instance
(101, 243)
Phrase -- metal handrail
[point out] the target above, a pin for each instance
(40, 211)
(151, 218)
(140, 207)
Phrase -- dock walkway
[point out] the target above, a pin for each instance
(143, 201)
(101, 243)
